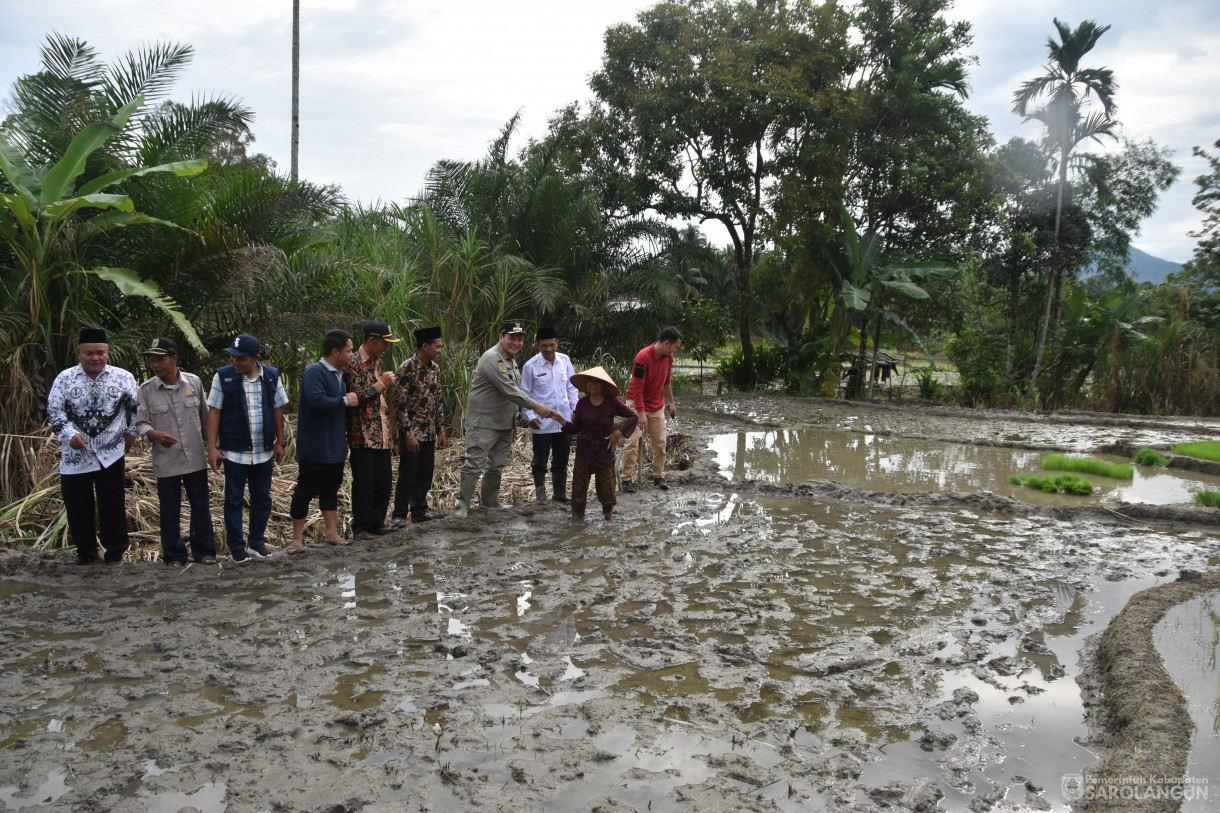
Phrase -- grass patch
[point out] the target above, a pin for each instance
(1205, 449)
(1087, 465)
(1207, 499)
(1151, 457)
(1066, 483)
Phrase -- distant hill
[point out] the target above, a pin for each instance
(1146, 268)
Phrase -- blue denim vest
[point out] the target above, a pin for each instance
(234, 414)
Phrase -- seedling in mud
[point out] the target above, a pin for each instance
(1066, 483)
(1207, 499)
(1150, 457)
(1205, 449)
(1087, 465)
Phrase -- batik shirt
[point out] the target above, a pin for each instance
(417, 398)
(103, 409)
(368, 422)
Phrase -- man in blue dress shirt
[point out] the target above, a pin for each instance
(322, 439)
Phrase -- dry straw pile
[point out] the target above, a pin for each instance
(35, 517)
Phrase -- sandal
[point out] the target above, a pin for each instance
(208, 560)
(339, 543)
(294, 547)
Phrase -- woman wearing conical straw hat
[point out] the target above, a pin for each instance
(597, 438)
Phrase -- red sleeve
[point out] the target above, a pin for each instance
(635, 386)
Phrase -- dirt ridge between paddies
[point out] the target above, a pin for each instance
(1147, 713)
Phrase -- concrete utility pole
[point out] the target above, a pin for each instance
(296, 84)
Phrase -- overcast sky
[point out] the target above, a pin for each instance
(388, 87)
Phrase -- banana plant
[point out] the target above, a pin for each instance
(43, 224)
(860, 281)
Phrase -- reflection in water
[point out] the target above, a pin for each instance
(210, 798)
(885, 463)
(1188, 639)
(48, 791)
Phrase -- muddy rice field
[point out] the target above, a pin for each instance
(836, 607)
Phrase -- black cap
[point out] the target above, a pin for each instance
(92, 335)
(427, 335)
(512, 327)
(380, 330)
(244, 345)
(545, 333)
(162, 347)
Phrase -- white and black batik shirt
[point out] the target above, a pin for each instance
(103, 409)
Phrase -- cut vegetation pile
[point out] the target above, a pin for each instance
(38, 520)
(1088, 465)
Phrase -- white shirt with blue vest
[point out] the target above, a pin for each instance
(253, 389)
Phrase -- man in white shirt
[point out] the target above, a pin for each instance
(547, 379)
(92, 408)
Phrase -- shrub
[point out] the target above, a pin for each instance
(979, 356)
(1208, 499)
(1151, 457)
(929, 387)
(1205, 449)
(770, 363)
(1058, 462)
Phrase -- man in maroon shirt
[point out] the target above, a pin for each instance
(647, 394)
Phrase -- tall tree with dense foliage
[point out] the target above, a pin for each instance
(1202, 272)
(698, 98)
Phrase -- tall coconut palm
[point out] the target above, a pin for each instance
(296, 85)
(1067, 87)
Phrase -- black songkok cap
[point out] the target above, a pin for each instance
(427, 335)
(92, 335)
(545, 333)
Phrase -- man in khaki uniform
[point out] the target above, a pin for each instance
(491, 409)
(171, 416)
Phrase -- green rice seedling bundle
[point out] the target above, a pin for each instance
(1087, 465)
(1066, 483)
(1207, 499)
(1205, 449)
(1151, 457)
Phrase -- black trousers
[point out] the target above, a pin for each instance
(169, 495)
(104, 518)
(415, 471)
(321, 480)
(555, 446)
(372, 482)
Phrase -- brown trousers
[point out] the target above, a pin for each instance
(656, 433)
(581, 473)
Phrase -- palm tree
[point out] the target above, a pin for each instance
(296, 85)
(210, 243)
(1067, 86)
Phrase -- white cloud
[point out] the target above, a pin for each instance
(391, 86)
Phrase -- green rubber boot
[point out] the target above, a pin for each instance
(469, 481)
(490, 494)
